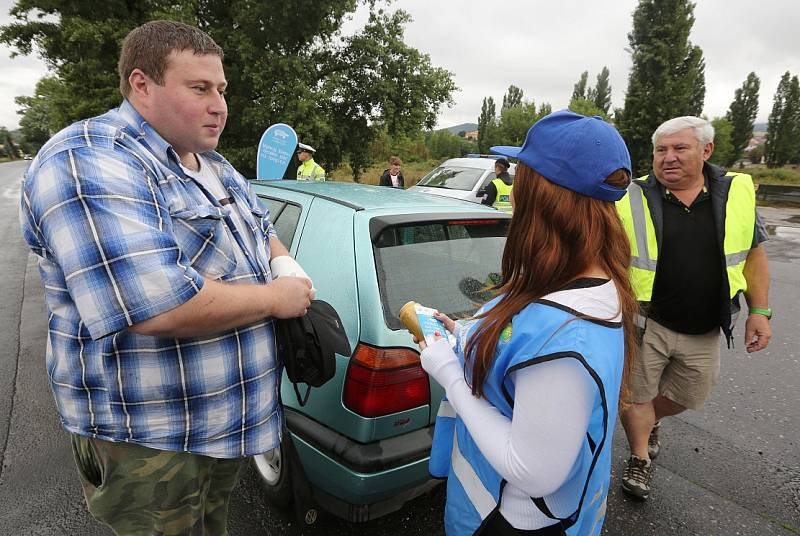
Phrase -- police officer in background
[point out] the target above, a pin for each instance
(498, 192)
(308, 170)
(695, 246)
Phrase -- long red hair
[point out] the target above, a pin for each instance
(555, 235)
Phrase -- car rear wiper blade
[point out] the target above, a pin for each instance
(436, 186)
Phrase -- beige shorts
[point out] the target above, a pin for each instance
(683, 368)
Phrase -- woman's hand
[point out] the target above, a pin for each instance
(448, 322)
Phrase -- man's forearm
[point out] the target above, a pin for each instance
(216, 308)
(276, 248)
(756, 273)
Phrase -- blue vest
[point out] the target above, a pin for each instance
(542, 331)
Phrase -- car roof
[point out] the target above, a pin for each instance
(477, 163)
(369, 197)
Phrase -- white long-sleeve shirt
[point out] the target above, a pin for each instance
(536, 449)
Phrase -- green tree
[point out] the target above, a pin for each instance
(513, 97)
(587, 107)
(783, 126)
(694, 76)
(579, 89)
(8, 148)
(39, 120)
(742, 115)
(723, 146)
(601, 94)
(337, 92)
(487, 125)
(443, 144)
(80, 43)
(515, 122)
(667, 78)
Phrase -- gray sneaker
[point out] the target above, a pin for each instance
(637, 476)
(653, 443)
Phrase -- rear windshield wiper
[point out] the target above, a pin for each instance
(436, 186)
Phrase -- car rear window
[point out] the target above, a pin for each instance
(444, 264)
(452, 178)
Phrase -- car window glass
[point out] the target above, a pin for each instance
(452, 178)
(275, 206)
(445, 265)
(286, 224)
(489, 178)
(284, 217)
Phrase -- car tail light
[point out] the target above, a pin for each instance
(381, 381)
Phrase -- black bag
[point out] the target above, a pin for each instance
(308, 346)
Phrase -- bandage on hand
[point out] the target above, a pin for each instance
(285, 265)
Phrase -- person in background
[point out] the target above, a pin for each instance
(498, 192)
(155, 257)
(696, 244)
(308, 170)
(393, 177)
(524, 435)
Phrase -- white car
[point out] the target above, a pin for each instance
(460, 178)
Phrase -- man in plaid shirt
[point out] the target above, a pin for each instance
(155, 258)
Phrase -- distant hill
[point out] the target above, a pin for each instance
(463, 127)
(759, 127)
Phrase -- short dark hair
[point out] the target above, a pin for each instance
(148, 46)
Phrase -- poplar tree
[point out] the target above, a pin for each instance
(601, 94)
(783, 127)
(487, 125)
(742, 115)
(723, 148)
(579, 89)
(667, 78)
(512, 98)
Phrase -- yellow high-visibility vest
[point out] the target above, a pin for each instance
(310, 171)
(737, 239)
(503, 199)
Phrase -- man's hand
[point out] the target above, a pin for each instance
(291, 296)
(757, 333)
(284, 265)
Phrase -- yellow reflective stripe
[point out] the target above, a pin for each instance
(643, 260)
(446, 410)
(477, 493)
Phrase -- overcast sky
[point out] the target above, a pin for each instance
(543, 47)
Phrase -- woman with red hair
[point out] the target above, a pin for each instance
(532, 386)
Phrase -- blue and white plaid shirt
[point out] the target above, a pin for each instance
(124, 234)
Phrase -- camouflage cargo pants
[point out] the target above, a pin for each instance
(141, 491)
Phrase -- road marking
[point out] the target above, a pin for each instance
(13, 191)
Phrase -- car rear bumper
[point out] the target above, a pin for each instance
(358, 481)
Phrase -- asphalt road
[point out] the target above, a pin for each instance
(733, 468)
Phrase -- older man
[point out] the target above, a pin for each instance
(695, 245)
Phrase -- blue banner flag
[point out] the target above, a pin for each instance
(275, 150)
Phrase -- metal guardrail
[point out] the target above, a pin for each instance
(776, 193)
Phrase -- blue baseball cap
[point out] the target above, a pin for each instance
(574, 151)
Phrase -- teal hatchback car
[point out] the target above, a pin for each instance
(360, 446)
